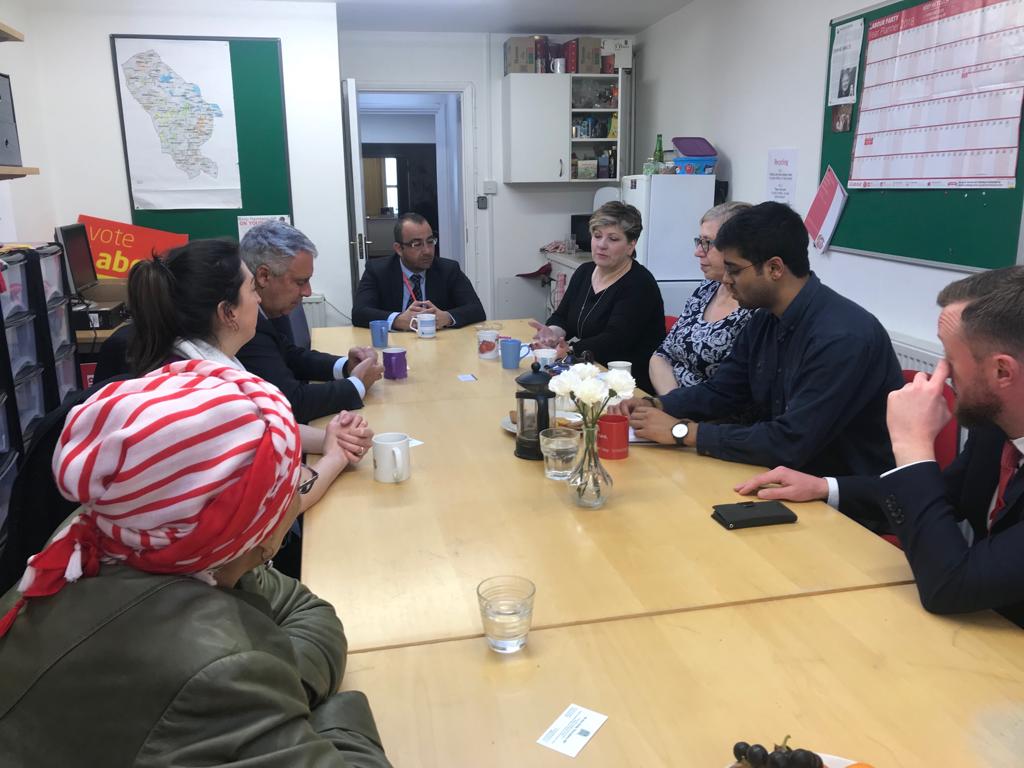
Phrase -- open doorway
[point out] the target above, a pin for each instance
(411, 154)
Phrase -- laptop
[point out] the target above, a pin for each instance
(81, 271)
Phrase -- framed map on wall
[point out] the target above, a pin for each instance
(177, 110)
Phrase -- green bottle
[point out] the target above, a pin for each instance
(659, 153)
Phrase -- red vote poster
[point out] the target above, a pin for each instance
(116, 246)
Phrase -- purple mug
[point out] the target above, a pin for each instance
(394, 363)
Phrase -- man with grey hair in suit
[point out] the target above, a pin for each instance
(316, 384)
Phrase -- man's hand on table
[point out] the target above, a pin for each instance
(368, 371)
(785, 484)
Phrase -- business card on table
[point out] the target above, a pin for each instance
(467, 377)
(572, 730)
(413, 442)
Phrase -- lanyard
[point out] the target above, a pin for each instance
(408, 286)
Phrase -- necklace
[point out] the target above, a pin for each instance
(580, 320)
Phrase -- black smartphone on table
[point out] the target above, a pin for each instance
(750, 514)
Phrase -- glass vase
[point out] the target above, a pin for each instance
(589, 483)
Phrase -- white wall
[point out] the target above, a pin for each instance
(396, 129)
(750, 76)
(68, 120)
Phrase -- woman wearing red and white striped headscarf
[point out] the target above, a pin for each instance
(144, 633)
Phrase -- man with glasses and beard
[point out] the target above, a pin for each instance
(961, 528)
(415, 281)
(806, 381)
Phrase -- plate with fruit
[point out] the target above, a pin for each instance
(784, 756)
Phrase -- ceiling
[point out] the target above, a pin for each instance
(504, 16)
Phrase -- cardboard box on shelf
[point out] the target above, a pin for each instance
(621, 48)
(520, 55)
(540, 53)
(588, 60)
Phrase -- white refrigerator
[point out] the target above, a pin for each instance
(671, 207)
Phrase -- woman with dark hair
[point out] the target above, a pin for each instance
(612, 307)
(153, 630)
(199, 302)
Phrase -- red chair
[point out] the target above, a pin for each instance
(670, 320)
(947, 442)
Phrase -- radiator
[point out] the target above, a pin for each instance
(315, 308)
(914, 354)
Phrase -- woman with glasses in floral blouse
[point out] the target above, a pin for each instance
(710, 321)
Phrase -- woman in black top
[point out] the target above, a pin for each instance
(612, 307)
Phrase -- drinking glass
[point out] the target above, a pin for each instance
(506, 609)
(560, 446)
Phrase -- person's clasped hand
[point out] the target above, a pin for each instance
(350, 433)
(368, 371)
(401, 322)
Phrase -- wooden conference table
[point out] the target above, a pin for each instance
(688, 636)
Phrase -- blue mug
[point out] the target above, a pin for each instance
(379, 333)
(512, 351)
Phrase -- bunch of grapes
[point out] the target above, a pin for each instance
(783, 756)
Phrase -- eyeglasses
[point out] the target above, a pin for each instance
(307, 485)
(420, 243)
(704, 243)
(732, 271)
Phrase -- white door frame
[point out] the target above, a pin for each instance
(474, 268)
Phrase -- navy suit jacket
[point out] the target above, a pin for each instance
(306, 377)
(924, 506)
(380, 291)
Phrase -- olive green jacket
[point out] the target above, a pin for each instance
(134, 669)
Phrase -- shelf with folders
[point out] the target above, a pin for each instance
(39, 355)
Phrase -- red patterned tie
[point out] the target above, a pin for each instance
(1007, 468)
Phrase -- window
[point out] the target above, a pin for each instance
(391, 182)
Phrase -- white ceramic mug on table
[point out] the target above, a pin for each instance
(425, 325)
(391, 457)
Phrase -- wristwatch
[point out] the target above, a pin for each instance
(679, 431)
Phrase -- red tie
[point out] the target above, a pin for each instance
(1007, 468)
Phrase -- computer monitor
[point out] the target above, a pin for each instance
(77, 257)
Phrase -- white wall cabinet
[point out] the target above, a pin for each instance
(537, 138)
(555, 122)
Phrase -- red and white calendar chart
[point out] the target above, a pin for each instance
(941, 100)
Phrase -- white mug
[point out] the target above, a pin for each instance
(620, 365)
(391, 457)
(425, 325)
(546, 357)
(487, 345)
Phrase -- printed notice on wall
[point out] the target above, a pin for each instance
(941, 98)
(245, 223)
(781, 180)
(844, 63)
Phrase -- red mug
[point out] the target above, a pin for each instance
(613, 437)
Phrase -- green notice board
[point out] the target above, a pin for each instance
(956, 228)
(260, 126)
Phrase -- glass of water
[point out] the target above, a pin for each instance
(560, 446)
(506, 609)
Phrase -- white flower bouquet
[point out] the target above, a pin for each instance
(591, 390)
